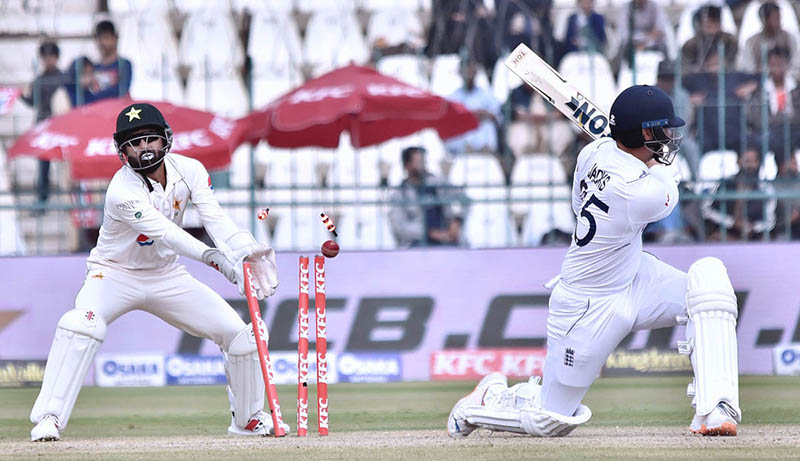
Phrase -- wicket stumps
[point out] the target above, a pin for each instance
(260, 332)
(321, 346)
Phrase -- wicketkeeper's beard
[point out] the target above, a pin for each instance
(147, 162)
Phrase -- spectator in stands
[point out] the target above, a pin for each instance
(462, 27)
(525, 21)
(665, 79)
(771, 36)
(113, 73)
(417, 224)
(39, 95)
(529, 116)
(788, 212)
(80, 82)
(743, 219)
(586, 29)
(536, 128)
(703, 90)
(485, 106)
(643, 25)
(781, 98)
(709, 34)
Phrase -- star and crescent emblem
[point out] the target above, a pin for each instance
(133, 114)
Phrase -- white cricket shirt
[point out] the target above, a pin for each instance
(614, 196)
(141, 229)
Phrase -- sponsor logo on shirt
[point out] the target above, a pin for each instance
(144, 241)
(128, 205)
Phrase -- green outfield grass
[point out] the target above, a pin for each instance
(131, 414)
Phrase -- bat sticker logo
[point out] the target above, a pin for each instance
(587, 116)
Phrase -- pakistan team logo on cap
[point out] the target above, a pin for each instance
(133, 114)
(138, 214)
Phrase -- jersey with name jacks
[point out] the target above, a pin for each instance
(141, 229)
(614, 196)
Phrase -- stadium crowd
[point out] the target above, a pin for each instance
(732, 68)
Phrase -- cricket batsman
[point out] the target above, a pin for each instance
(608, 287)
(135, 266)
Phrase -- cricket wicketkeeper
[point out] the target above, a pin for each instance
(135, 266)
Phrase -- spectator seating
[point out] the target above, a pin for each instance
(350, 167)
(275, 51)
(591, 74)
(147, 39)
(193, 6)
(120, 8)
(536, 216)
(14, 19)
(199, 52)
(18, 60)
(646, 63)
(256, 6)
(503, 80)
(17, 121)
(333, 39)
(313, 6)
(407, 68)
(11, 242)
(393, 27)
(364, 227)
(487, 223)
(769, 168)
(714, 166)
(298, 226)
(378, 5)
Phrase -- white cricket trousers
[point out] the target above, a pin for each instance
(170, 294)
(582, 331)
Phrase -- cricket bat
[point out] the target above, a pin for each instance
(537, 74)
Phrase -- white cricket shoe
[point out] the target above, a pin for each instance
(457, 425)
(46, 430)
(720, 422)
(259, 424)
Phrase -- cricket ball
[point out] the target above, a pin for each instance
(330, 249)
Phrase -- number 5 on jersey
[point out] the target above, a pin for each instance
(593, 200)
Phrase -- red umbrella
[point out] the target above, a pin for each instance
(371, 106)
(83, 137)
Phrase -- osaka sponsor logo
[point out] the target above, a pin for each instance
(370, 367)
(188, 369)
(112, 368)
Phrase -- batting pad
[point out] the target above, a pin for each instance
(78, 337)
(245, 381)
(518, 409)
(712, 309)
(543, 423)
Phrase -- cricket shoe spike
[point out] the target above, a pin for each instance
(259, 424)
(46, 430)
(722, 421)
(457, 425)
